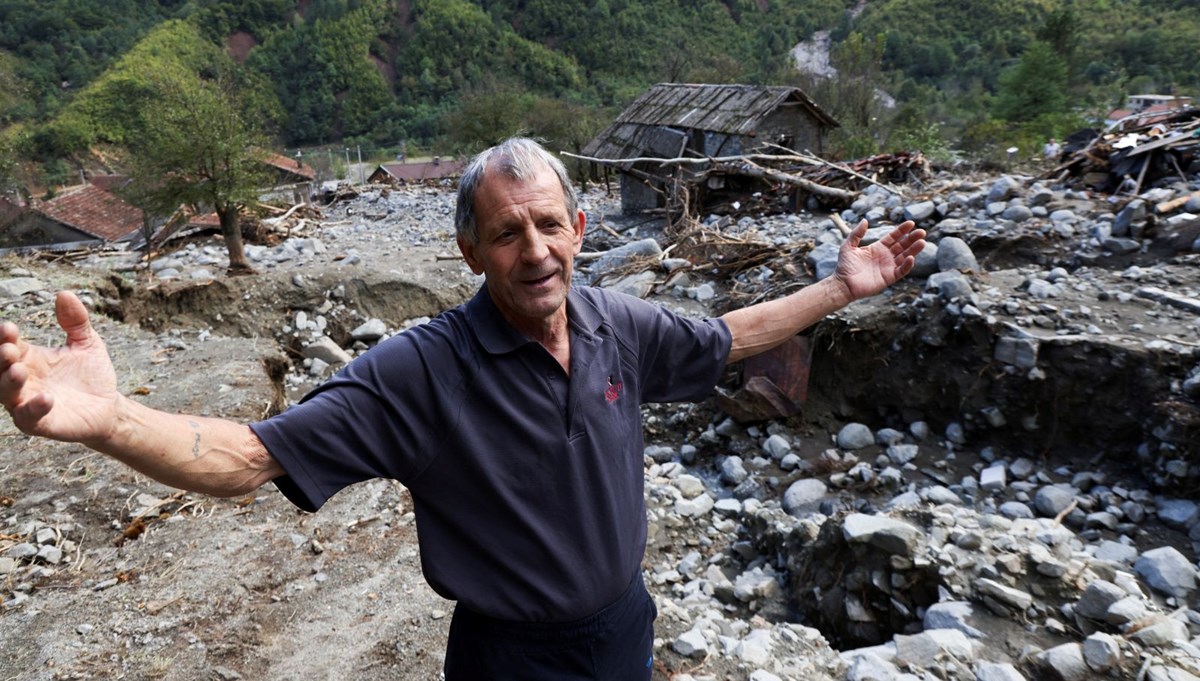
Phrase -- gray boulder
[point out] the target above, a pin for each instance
(19, 286)
(855, 436)
(326, 350)
(991, 671)
(803, 493)
(1167, 571)
(624, 254)
(886, 534)
(1017, 213)
(1003, 189)
(952, 615)
(1053, 499)
(1065, 662)
(919, 211)
(951, 285)
(954, 254)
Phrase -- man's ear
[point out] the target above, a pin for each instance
(580, 223)
(467, 248)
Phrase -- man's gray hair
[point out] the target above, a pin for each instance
(519, 158)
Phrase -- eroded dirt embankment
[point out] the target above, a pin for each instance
(1089, 398)
(261, 305)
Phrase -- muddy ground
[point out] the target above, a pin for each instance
(161, 585)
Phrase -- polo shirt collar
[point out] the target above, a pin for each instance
(498, 336)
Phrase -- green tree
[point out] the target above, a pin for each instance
(487, 115)
(108, 110)
(567, 126)
(201, 144)
(14, 92)
(1035, 86)
(8, 163)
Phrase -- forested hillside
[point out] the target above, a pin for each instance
(449, 75)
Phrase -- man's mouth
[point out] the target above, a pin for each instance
(539, 281)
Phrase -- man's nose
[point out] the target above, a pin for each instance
(534, 248)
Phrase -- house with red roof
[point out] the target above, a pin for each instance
(290, 170)
(92, 214)
(437, 169)
(84, 214)
(1142, 110)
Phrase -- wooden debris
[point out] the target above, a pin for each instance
(777, 175)
(751, 169)
(1175, 204)
(774, 383)
(1148, 149)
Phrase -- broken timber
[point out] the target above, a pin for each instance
(752, 169)
(742, 165)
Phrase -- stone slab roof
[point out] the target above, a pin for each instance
(729, 109)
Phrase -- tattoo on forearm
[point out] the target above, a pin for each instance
(196, 442)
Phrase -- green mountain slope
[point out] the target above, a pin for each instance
(384, 71)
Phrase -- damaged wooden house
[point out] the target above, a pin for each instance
(675, 120)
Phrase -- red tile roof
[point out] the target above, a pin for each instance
(92, 211)
(205, 220)
(1148, 116)
(415, 172)
(109, 182)
(290, 165)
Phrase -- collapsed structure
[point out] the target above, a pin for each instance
(682, 121)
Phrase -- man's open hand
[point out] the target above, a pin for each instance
(867, 270)
(66, 393)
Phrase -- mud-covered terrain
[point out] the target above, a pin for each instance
(1050, 354)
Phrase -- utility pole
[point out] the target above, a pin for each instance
(348, 175)
(332, 175)
(361, 179)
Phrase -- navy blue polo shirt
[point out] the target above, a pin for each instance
(527, 484)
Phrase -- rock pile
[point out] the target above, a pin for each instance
(1009, 572)
(33, 551)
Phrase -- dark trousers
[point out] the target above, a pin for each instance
(615, 644)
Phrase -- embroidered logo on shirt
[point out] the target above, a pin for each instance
(613, 391)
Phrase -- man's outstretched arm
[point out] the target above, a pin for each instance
(70, 394)
(861, 272)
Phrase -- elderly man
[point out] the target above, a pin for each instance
(513, 420)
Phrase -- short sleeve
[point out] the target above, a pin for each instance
(378, 418)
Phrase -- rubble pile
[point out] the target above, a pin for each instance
(1134, 154)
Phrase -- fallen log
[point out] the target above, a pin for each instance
(1175, 204)
(754, 170)
(286, 214)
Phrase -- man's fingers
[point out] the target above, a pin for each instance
(73, 318)
(26, 411)
(11, 381)
(11, 345)
(856, 235)
(905, 241)
(28, 414)
(9, 333)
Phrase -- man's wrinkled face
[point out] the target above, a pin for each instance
(527, 244)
